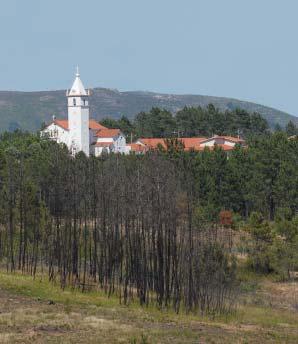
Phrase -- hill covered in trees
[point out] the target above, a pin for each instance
(28, 110)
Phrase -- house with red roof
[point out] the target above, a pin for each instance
(109, 141)
(227, 143)
(223, 141)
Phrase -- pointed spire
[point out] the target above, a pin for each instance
(77, 88)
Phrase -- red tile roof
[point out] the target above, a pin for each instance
(136, 147)
(153, 143)
(95, 125)
(108, 133)
(103, 144)
(63, 123)
(190, 143)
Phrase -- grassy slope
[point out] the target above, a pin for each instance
(72, 317)
(28, 110)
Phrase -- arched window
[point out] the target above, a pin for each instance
(74, 102)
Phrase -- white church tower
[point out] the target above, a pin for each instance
(78, 116)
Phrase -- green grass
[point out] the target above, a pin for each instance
(43, 289)
(76, 317)
(266, 317)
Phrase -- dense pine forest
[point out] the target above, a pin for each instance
(148, 227)
(195, 121)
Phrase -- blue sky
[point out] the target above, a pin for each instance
(245, 49)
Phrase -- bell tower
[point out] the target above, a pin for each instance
(78, 116)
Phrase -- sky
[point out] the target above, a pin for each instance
(244, 49)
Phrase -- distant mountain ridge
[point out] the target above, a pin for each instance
(28, 110)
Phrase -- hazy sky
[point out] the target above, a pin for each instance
(246, 49)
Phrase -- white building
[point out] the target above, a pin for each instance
(80, 133)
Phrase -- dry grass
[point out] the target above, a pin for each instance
(27, 316)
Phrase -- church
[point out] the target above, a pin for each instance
(80, 133)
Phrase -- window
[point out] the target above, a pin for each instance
(74, 102)
(84, 102)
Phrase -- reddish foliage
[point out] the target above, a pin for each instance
(225, 217)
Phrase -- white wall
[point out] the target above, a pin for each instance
(120, 144)
(100, 150)
(56, 133)
(128, 149)
(78, 122)
(105, 139)
(64, 136)
(218, 141)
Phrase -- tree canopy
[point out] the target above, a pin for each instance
(190, 122)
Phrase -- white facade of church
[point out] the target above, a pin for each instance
(79, 133)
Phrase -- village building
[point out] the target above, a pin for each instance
(80, 133)
(226, 143)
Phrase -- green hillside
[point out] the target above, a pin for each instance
(28, 110)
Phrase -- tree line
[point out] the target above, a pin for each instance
(141, 227)
(122, 223)
(190, 122)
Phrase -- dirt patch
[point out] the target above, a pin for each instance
(49, 329)
(282, 295)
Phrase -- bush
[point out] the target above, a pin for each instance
(273, 248)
